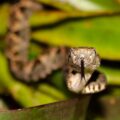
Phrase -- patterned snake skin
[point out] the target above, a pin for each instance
(18, 40)
(80, 65)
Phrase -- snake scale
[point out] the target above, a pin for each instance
(81, 62)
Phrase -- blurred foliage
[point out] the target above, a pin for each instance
(69, 23)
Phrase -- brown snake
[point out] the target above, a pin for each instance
(81, 62)
(18, 40)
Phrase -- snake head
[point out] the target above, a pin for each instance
(86, 56)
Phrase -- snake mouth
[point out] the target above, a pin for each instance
(82, 69)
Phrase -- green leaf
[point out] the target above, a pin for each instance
(100, 32)
(74, 109)
(44, 17)
(85, 5)
(3, 18)
(25, 95)
(46, 88)
(112, 74)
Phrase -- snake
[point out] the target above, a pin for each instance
(82, 75)
(80, 63)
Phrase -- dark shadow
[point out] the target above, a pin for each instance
(8, 1)
(111, 63)
(95, 109)
(10, 102)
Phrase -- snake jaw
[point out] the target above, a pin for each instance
(75, 83)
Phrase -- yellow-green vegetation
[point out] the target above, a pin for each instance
(65, 24)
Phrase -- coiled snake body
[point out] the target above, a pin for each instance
(81, 62)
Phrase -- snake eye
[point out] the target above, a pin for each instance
(74, 72)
